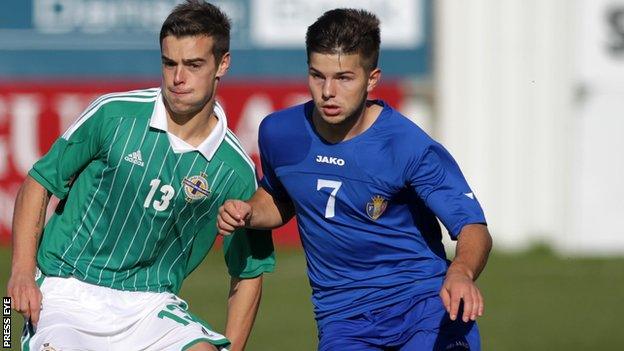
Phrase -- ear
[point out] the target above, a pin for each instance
(373, 78)
(224, 65)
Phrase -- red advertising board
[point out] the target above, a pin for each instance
(33, 115)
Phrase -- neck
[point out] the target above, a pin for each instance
(192, 127)
(352, 126)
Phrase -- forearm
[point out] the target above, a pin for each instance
(28, 221)
(268, 212)
(472, 251)
(242, 308)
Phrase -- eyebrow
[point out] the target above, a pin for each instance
(193, 60)
(185, 61)
(336, 73)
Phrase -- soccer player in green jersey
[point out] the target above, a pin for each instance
(141, 176)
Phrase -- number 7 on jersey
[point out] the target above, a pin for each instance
(331, 202)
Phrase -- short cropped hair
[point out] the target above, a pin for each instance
(197, 17)
(346, 31)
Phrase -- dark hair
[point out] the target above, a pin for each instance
(346, 31)
(197, 17)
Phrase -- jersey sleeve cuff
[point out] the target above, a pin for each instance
(454, 233)
(275, 194)
(33, 173)
(265, 268)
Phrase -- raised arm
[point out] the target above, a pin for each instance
(262, 211)
(471, 254)
(28, 221)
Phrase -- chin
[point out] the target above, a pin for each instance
(335, 120)
(180, 109)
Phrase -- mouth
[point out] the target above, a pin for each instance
(331, 110)
(179, 93)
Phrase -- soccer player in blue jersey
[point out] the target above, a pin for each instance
(366, 185)
(141, 176)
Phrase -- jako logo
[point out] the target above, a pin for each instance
(331, 160)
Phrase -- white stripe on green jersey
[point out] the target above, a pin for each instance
(82, 221)
(132, 168)
(115, 174)
(108, 197)
(101, 212)
(188, 221)
(176, 220)
(138, 225)
(136, 95)
(236, 146)
(140, 93)
(148, 236)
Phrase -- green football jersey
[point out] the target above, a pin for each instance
(138, 205)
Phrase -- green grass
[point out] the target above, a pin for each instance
(534, 301)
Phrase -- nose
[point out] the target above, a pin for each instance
(179, 76)
(329, 89)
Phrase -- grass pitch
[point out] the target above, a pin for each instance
(534, 301)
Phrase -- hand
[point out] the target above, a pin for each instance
(25, 295)
(233, 214)
(459, 286)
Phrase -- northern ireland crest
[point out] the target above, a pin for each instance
(376, 207)
(196, 187)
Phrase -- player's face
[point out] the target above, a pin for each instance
(190, 73)
(339, 85)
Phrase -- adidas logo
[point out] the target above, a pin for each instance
(135, 158)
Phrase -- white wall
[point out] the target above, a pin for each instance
(505, 91)
(598, 164)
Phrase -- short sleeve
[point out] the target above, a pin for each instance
(437, 179)
(269, 181)
(70, 153)
(248, 252)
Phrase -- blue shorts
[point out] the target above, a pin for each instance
(416, 324)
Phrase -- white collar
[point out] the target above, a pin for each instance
(208, 147)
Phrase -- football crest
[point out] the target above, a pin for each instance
(376, 207)
(196, 187)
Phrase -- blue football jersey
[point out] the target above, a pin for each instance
(366, 207)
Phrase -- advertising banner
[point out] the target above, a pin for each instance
(33, 115)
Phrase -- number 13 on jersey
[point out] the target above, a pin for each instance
(167, 194)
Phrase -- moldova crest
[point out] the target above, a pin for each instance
(196, 187)
(376, 207)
